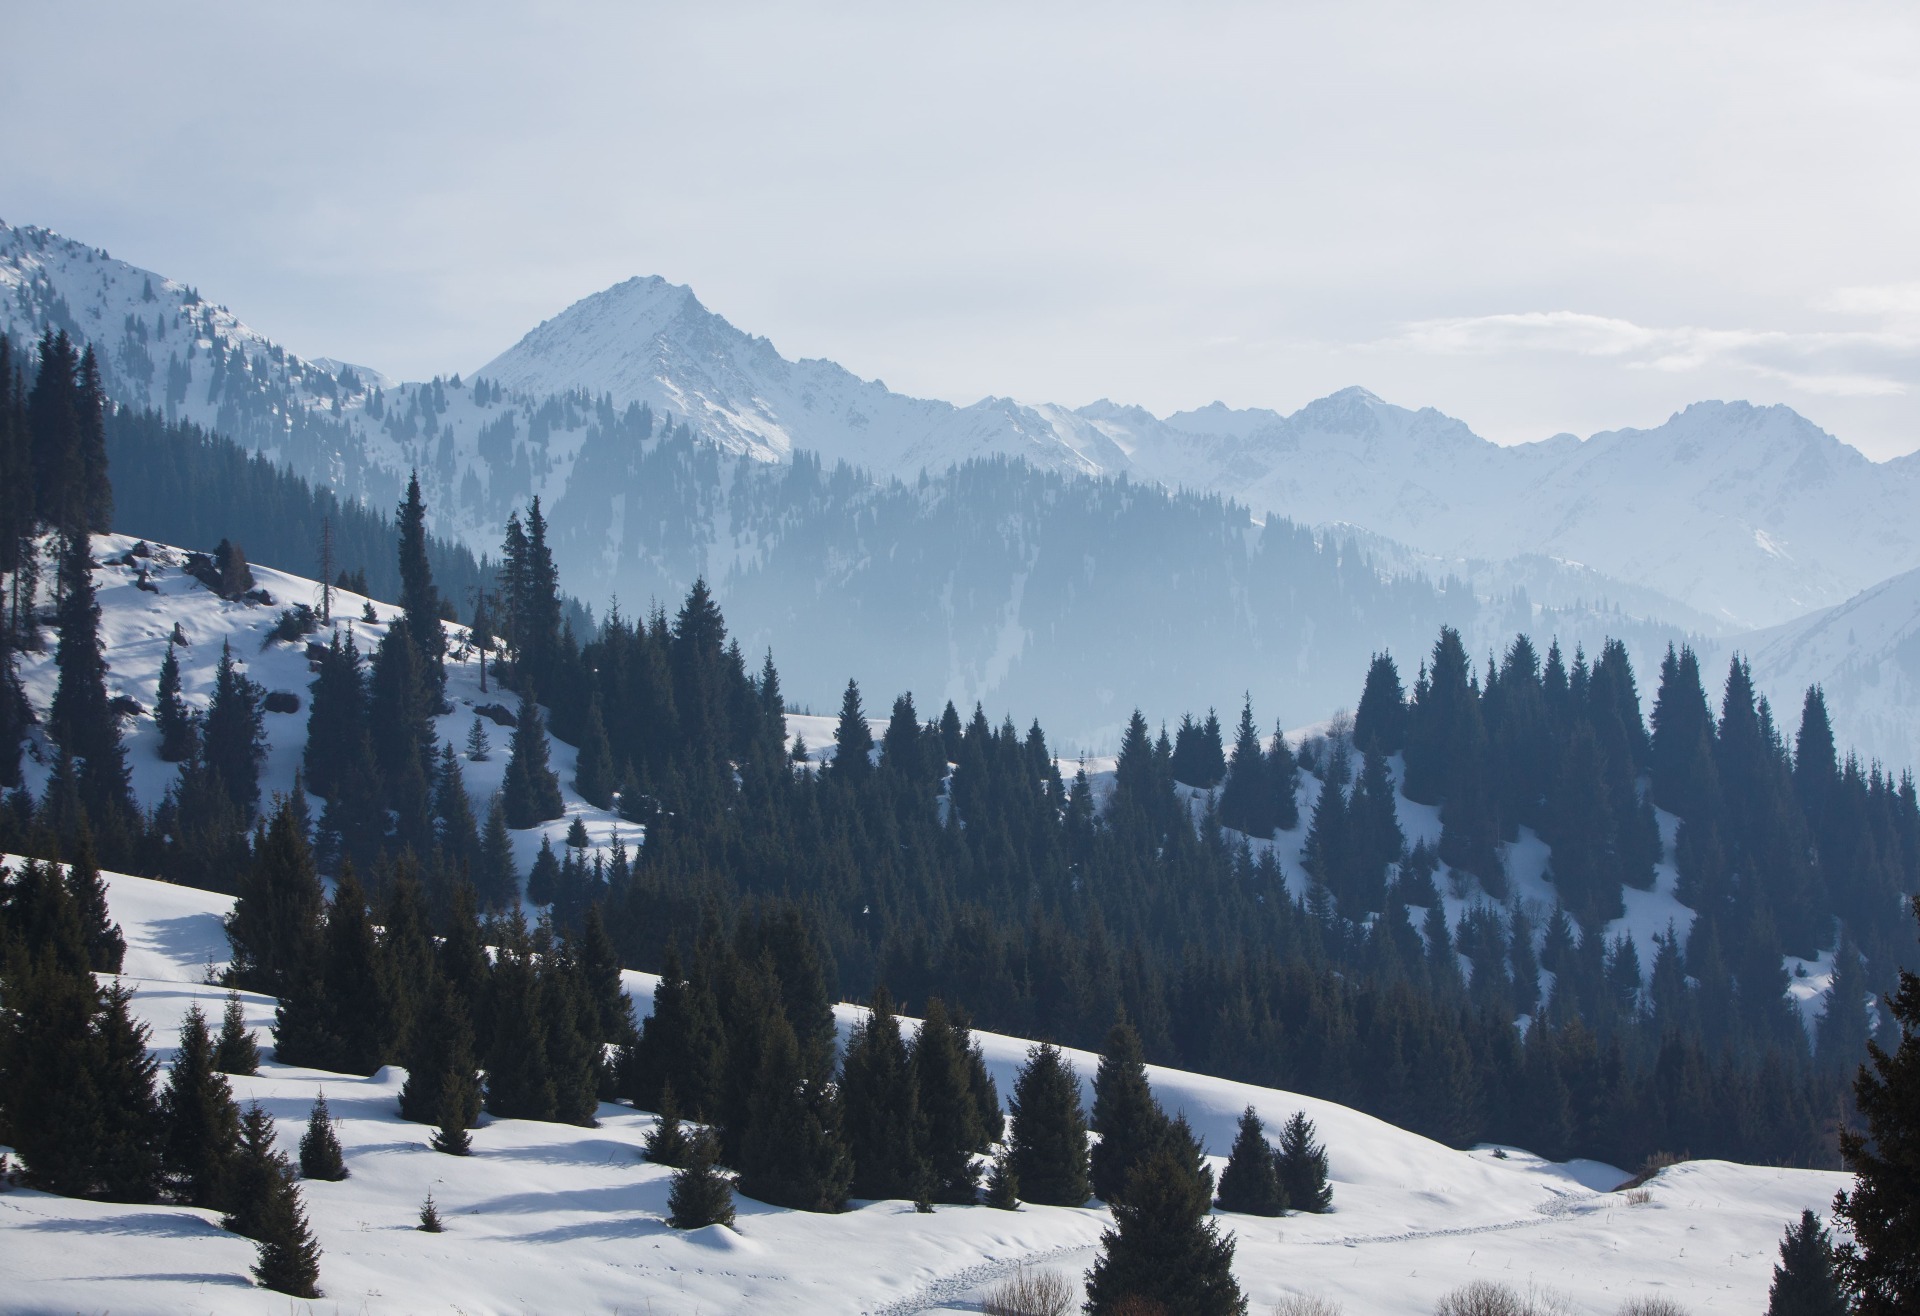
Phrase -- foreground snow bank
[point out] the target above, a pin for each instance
(546, 1217)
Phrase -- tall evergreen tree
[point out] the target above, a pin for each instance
(1245, 799)
(1881, 1265)
(518, 1083)
(1804, 1283)
(792, 1153)
(1250, 1184)
(179, 733)
(234, 737)
(276, 922)
(1380, 722)
(200, 1123)
(950, 1125)
(1302, 1167)
(1049, 1149)
(852, 738)
(880, 1106)
(531, 793)
(419, 597)
(82, 721)
(1125, 1115)
(1163, 1250)
(593, 769)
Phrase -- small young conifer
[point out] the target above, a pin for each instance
(235, 1051)
(287, 1259)
(320, 1156)
(1250, 1184)
(479, 747)
(1003, 1185)
(701, 1194)
(1804, 1283)
(668, 1142)
(430, 1216)
(1302, 1167)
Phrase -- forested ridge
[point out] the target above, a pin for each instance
(953, 859)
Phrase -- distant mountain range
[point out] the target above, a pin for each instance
(655, 432)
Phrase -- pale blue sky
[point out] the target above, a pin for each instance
(1532, 218)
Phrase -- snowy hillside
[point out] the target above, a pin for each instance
(553, 1217)
(1866, 654)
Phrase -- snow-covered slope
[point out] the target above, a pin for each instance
(1866, 654)
(548, 1217)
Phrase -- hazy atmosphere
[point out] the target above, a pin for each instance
(1534, 218)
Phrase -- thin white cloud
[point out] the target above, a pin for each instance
(1848, 363)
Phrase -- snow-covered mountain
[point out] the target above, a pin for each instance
(1866, 654)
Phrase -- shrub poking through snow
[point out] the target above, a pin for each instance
(1030, 1293)
(1307, 1304)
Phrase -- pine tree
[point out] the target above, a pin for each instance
(179, 733)
(320, 1154)
(265, 1206)
(1245, 800)
(235, 1051)
(1125, 1115)
(1163, 1250)
(949, 1117)
(531, 790)
(1251, 1184)
(668, 1142)
(682, 1046)
(360, 995)
(1301, 1166)
(701, 1194)
(430, 1216)
(479, 747)
(593, 769)
(1881, 1265)
(199, 1120)
(1048, 1153)
(1380, 722)
(880, 1106)
(1804, 1283)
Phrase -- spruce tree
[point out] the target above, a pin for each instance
(275, 927)
(287, 1259)
(1804, 1282)
(852, 738)
(418, 596)
(496, 881)
(593, 768)
(430, 1222)
(792, 1153)
(359, 989)
(573, 1058)
(1881, 1265)
(320, 1154)
(200, 1123)
(179, 733)
(518, 1083)
(106, 947)
(233, 736)
(668, 1142)
(1003, 1185)
(1301, 1166)
(1125, 1115)
(1048, 1153)
(443, 1085)
(1162, 1248)
(531, 791)
(879, 1105)
(82, 721)
(950, 1129)
(1246, 800)
(256, 1172)
(235, 1051)
(701, 1193)
(1251, 1184)
(682, 1045)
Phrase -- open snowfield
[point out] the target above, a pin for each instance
(552, 1218)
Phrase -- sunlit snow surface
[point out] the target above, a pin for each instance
(547, 1217)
